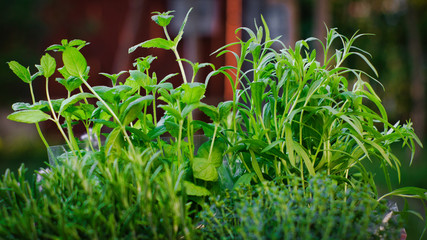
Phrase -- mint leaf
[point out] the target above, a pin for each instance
(162, 19)
(74, 62)
(192, 189)
(29, 116)
(20, 71)
(154, 43)
(48, 64)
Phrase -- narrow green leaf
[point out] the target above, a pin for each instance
(410, 192)
(257, 90)
(366, 61)
(272, 145)
(267, 32)
(181, 30)
(256, 167)
(380, 149)
(307, 161)
(154, 43)
(56, 48)
(289, 143)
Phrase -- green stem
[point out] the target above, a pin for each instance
(190, 137)
(175, 51)
(81, 90)
(37, 124)
(89, 137)
(56, 119)
(154, 109)
(287, 110)
(263, 128)
(181, 122)
(212, 143)
(235, 98)
(70, 132)
(111, 112)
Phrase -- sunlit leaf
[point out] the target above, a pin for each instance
(192, 189)
(48, 64)
(74, 99)
(74, 62)
(154, 43)
(29, 116)
(20, 71)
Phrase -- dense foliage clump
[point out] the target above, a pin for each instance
(320, 210)
(288, 152)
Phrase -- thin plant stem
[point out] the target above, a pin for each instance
(111, 112)
(181, 122)
(89, 136)
(56, 119)
(175, 51)
(37, 124)
(213, 141)
(70, 132)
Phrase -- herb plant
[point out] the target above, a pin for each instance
(292, 118)
(323, 210)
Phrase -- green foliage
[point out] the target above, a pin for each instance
(140, 175)
(74, 61)
(162, 19)
(20, 71)
(307, 111)
(321, 210)
(29, 116)
(92, 198)
(48, 65)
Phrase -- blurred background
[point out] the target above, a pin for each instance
(28, 27)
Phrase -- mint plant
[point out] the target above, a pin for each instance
(292, 118)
